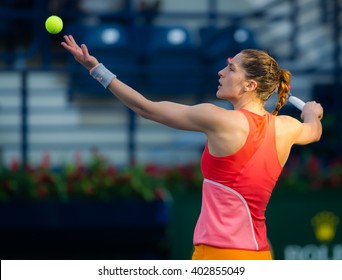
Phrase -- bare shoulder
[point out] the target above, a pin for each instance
(285, 120)
(287, 124)
(228, 131)
(233, 118)
(219, 119)
(216, 112)
(294, 131)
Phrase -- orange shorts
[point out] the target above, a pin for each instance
(205, 252)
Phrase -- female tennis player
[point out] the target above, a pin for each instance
(245, 151)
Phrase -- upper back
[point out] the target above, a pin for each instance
(235, 128)
(260, 140)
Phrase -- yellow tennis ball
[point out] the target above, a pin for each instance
(54, 24)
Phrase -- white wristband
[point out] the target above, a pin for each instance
(102, 75)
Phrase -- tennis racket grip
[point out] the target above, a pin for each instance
(298, 103)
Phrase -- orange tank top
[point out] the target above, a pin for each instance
(237, 188)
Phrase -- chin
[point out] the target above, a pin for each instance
(218, 95)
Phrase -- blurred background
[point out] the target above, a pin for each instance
(83, 177)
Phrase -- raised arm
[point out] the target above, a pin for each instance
(311, 129)
(196, 118)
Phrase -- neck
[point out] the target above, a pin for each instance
(253, 106)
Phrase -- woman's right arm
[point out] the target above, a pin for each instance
(310, 130)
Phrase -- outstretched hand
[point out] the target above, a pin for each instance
(80, 54)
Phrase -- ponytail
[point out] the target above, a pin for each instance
(264, 69)
(283, 90)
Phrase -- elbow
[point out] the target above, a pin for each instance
(144, 113)
(318, 136)
(141, 113)
(151, 111)
(143, 110)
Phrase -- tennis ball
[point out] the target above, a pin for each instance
(54, 24)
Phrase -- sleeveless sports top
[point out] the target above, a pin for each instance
(237, 188)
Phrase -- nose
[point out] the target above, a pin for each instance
(220, 73)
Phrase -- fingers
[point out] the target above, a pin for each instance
(85, 50)
(72, 40)
(67, 40)
(67, 47)
(67, 44)
(71, 45)
(312, 107)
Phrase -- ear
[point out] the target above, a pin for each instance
(251, 85)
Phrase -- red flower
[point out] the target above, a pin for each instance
(89, 190)
(152, 169)
(46, 161)
(313, 166)
(42, 191)
(14, 165)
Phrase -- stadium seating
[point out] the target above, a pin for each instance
(172, 65)
(19, 31)
(217, 44)
(110, 44)
(158, 60)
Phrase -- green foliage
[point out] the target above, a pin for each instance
(99, 180)
(94, 180)
(308, 172)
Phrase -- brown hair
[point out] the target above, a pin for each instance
(262, 68)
